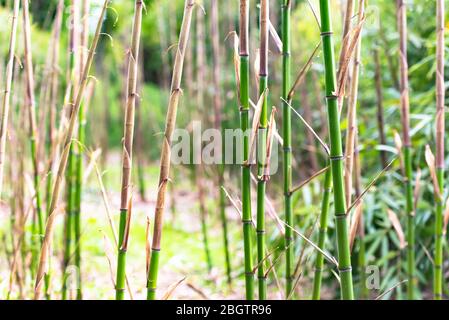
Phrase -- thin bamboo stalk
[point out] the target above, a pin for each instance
(79, 154)
(31, 106)
(261, 150)
(245, 126)
(439, 160)
(361, 227)
(218, 125)
(126, 199)
(319, 262)
(70, 177)
(352, 112)
(46, 244)
(286, 136)
(407, 147)
(175, 92)
(8, 86)
(336, 154)
(380, 108)
(199, 174)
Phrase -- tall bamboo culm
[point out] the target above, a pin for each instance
(439, 122)
(336, 154)
(175, 93)
(126, 189)
(247, 220)
(261, 150)
(287, 136)
(198, 171)
(8, 87)
(52, 100)
(33, 136)
(74, 70)
(52, 212)
(405, 119)
(79, 155)
(215, 33)
(319, 262)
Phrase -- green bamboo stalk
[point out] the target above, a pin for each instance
(336, 154)
(74, 66)
(261, 150)
(7, 92)
(407, 148)
(126, 200)
(218, 125)
(198, 174)
(287, 137)
(31, 106)
(79, 154)
(46, 244)
(327, 189)
(175, 92)
(361, 227)
(439, 160)
(247, 220)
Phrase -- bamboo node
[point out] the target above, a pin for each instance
(344, 270)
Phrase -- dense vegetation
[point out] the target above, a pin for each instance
(340, 188)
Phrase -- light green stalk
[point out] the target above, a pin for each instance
(439, 160)
(336, 154)
(247, 220)
(287, 137)
(407, 148)
(31, 106)
(175, 93)
(126, 200)
(262, 150)
(327, 189)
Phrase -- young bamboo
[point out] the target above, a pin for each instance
(46, 244)
(361, 227)
(439, 160)
(7, 92)
(352, 112)
(31, 106)
(336, 154)
(261, 150)
(407, 147)
(380, 108)
(175, 92)
(198, 173)
(327, 189)
(218, 125)
(126, 199)
(245, 125)
(53, 99)
(286, 135)
(79, 154)
(73, 73)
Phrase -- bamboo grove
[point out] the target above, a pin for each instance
(206, 149)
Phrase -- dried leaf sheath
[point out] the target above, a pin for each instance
(175, 93)
(126, 185)
(406, 148)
